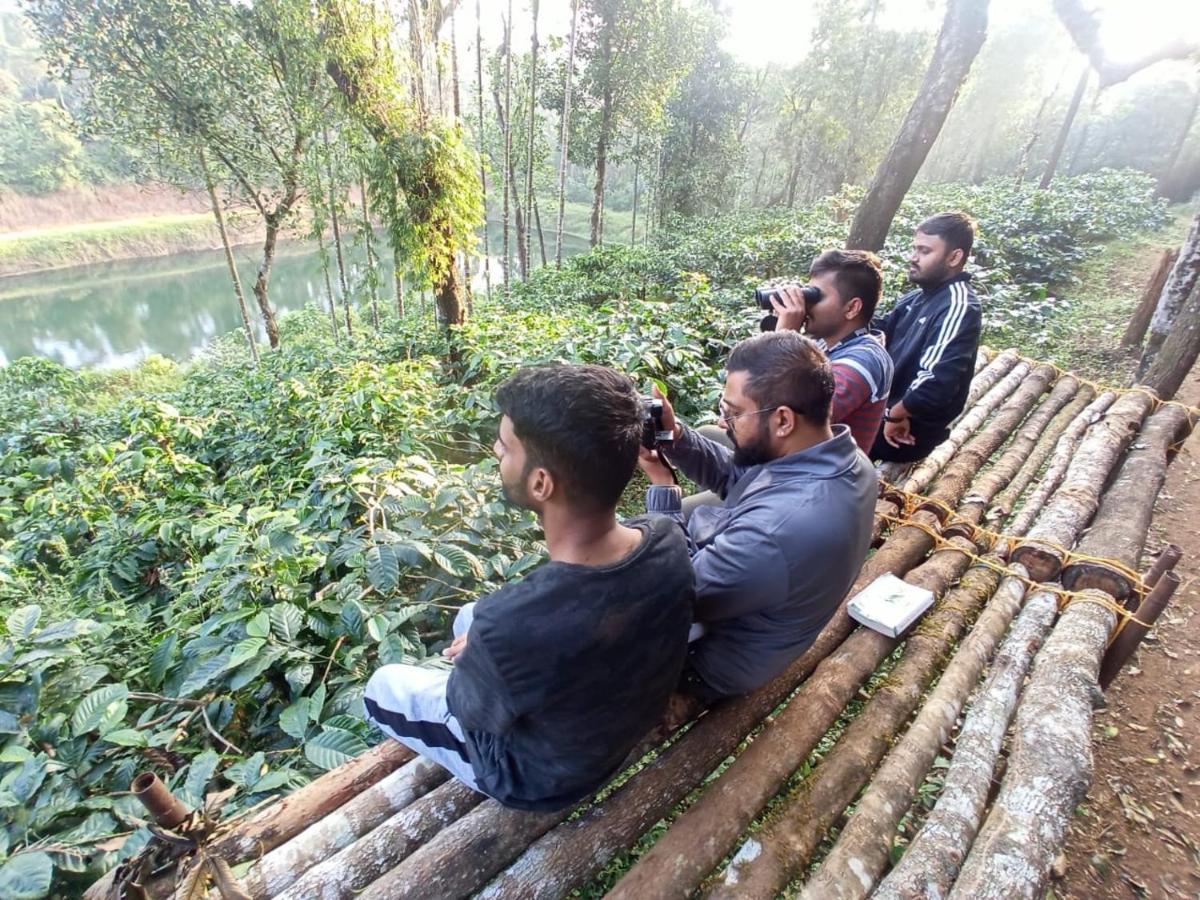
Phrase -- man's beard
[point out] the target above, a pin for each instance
(755, 452)
(515, 494)
(935, 276)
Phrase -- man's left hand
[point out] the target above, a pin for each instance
(790, 308)
(897, 433)
(457, 646)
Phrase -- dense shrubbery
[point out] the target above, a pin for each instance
(202, 565)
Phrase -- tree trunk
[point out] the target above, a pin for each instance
(533, 57)
(1076, 500)
(397, 265)
(487, 237)
(335, 222)
(637, 160)
(372, 268)
(507, 134)
(564, 141)
(537, 221)
(219, 215)
(262, 281)
(1168, 171)
(353, 871)
(961, 36)
(448, 296)
(1135, 331)
(510, 182)
(1023, 162)
(1179, 352)
(1179, 286)
(324, 254)
(1065, 130)
(605, 135)
(284, 865)
(1089, 116)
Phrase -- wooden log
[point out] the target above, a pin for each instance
(986, 377)
(1078, 498)
(702, 835)
(1017, 453)
(1050, 765)
(971, 457)
(283, 820)
(928, 468)
(1131, 635)
(1135, 331)
(356, 866)
(1129, 505)
(769, 860)
(932, 860)
(342, 827)
(983, 356)
(1002, 505)
(861, 853)
(1060, 461)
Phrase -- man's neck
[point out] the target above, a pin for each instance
(805, 438)
(587, 539)
(842, 333)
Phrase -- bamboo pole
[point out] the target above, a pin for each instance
(928, 468)
(1060, 461)
(359, 864)
(932, 860)
(1112, 535)
(767, 861)
(278, 869)
(1076, 500)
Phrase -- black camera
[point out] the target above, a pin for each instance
(764, 295)
(654, 435)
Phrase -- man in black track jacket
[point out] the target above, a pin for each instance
(932, 336)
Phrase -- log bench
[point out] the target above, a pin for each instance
(756, 789)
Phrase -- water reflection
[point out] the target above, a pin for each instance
(112, 315)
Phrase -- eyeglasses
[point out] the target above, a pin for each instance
(724, 416)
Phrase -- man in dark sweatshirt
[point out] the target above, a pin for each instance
(775, 558)
(932, 335)
(557, 676)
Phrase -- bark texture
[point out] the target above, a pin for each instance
(564, 140)
(1174, 296)
(1135, 331)
(986, 376)
(959, 40)
(1179, 352)
(1077, 499)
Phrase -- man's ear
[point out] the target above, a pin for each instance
(853, 309)
(783, 421)
(957, 257)
(540, 484)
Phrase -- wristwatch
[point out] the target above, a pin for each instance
(888, 418)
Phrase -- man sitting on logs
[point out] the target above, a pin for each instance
(556, 676)
(932, 336)
(839, 318)
(777, 554)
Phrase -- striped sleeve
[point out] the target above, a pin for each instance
(948, 358)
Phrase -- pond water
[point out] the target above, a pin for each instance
(112, 315)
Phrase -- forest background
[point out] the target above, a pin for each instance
(201, 561)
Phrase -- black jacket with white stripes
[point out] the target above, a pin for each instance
(933, 337)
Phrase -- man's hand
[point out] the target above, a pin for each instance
(897, 433)
(650, 463)
(668, 412)
(789, 307)
(457, 646)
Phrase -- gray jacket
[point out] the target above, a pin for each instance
(775, 561)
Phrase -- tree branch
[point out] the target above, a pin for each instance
(1084, 27)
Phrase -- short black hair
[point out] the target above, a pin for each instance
(581, 422)
(957, 229)
(857, 273)
(786, 369)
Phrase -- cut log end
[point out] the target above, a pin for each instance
(1082, 576)
(1042, 561)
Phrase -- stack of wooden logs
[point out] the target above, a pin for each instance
(826, 760)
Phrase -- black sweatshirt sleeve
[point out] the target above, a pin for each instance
(949, 359)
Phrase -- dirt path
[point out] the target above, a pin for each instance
(1138, 832)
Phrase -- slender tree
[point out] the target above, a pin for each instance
(1182, 281)
(219, 215)
(961, 36)
(507, 134)
(1168, 170)
(1065, 129)
(368, 240)
(458, 117)
(487, 237)
(511, 195)
(335, 224)
(565, 135)
(533, 73)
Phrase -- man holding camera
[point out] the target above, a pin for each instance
(774, 560)
(932, 336)
(556, 676)
(836, 309)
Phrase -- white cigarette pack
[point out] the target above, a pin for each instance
(889, 605)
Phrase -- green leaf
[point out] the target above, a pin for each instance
(199, 774)
(65, 631)
(245, 649)
(161, 659)
(26, 876)
(383, 568)
(95, 706)
(293, 721)
(23, 621)
(298, 677)
(331, 748)
(287, 620)
(246, 773)
(205, 673)
(126, 737)
(259, 626)
(377, 627)
(251, 670)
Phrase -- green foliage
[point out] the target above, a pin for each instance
(39, 152)
(200, 566)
